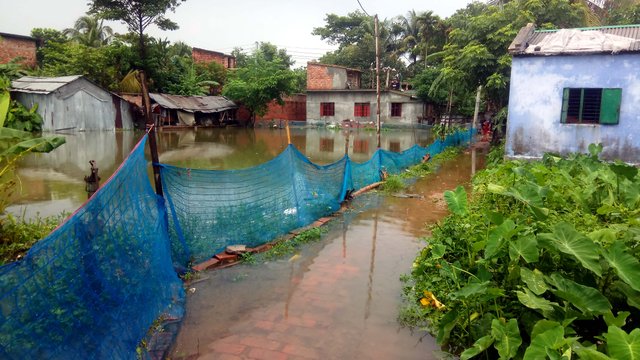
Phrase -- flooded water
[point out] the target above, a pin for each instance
(337, 298)
(53, 183)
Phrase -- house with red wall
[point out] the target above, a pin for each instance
(209, 56)
(18, 46)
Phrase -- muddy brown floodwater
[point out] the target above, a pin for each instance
(337, 298)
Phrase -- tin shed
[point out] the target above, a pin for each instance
(73, 103)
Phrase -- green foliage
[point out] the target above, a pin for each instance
(17, 235)
(89, 31)
(457, 200)
(288, 247)
(542, 264)
(259, 83)
(393, 184)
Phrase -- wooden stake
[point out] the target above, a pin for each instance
(288, 132)
(151, 129)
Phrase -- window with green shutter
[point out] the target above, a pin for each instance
(591, 106)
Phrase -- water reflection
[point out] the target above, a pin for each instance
(52, 183)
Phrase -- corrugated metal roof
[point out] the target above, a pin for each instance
(204, 104)
(532, 38)
(41, 85)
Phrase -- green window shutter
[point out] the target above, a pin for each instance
(610, 106)
(565, 105)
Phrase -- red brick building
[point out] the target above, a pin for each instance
(294, 109)
(332, 77)
(13, 46)
(208, 56)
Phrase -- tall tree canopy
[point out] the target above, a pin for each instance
(264, 77)
(89, 31)
(137, 15)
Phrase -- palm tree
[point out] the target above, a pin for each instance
(89, 31)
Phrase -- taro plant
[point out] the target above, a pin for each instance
(540, 262)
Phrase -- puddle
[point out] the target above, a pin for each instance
(338, 299)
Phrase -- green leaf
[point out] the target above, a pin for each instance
(567, 240)
(626, 265)
(624, 170)
(585, 298)
(530, 300)
(618, 321)
(534, 280)
(543, 341)
(457, 200)
(5, 100)
(472, 290)
(633, 297)
(507, 337)
(44, 144)
(595, 149)
(623, 346)
(589, 353)
(478, 347)
(447, 323)
(525, 247)
(437, 251)
(498, 236)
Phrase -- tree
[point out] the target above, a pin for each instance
(354, 34)
(137, 15)
(89, 31)
(259, 83)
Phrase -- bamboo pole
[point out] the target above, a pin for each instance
(375, 22)
(151, 129)
(288, 132)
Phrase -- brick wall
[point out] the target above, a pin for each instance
(13, 47)
(318, 77)
(294, 108)
(207, 56)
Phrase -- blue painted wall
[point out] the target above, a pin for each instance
(535, 106)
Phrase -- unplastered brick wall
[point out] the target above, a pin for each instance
(11, 48)
(318, 77)
(207, 56)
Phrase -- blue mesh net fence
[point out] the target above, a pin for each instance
(94, 286)
(212, 209)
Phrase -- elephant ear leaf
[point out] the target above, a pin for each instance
(627, 267)
(457, 200)
(507, 337)
(623, 346)
(5, 100)
(566, 239)
(478, 347)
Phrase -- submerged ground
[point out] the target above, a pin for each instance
(337, 299)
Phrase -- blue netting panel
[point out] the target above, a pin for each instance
(211, 209)
(93, 287)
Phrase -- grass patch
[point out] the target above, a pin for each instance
(288, 247)
(17, 235)
(394, 183)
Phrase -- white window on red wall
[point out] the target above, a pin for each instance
(396, 109)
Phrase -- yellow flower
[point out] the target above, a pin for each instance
(430, 300)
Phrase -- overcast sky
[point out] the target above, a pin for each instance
(223, 25)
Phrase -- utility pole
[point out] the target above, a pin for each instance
(375, 21)
(477, 109)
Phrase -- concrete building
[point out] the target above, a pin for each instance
(575, 87)
(73, 103)
(208, 56)
(18, 46)
(334, 95)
